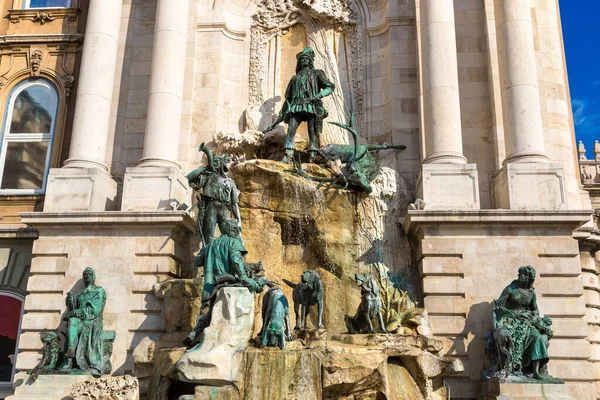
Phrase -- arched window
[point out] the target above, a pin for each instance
(11, 310)
(46, 3)
(29, 124)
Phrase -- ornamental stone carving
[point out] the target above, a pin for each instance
(35, 62)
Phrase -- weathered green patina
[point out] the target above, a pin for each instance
(520, 336)
(217, 194)
(303, 103)
(84, 337)
(223, 263)
(359, 166)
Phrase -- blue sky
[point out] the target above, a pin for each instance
(581, 31)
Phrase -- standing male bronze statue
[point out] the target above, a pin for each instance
(217, 195)
(303, 104)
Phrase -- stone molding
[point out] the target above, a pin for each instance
(22, 232)
(392, 21)
(43, 38)
(417, 218)
(15, 15)
(109, 219)
(221, 27)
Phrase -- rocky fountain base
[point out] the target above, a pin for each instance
(371, 366)
(292, 225)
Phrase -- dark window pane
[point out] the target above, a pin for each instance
(49, 3)
(33, 110)
(25, 165)
(10, 313)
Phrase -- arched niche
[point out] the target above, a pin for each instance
(335, 30)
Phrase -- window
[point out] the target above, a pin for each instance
(11, 309)
(28, 130)
(46, 3)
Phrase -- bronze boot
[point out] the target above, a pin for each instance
(288, 158)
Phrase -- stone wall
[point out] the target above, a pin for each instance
(129, 252)
(466, 260)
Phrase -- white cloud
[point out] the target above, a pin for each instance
(579, 108)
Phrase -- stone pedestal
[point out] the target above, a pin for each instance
(465, 260)
(449, 186)
(80, 189)
(153, 188)
(130, 252)
(495, 390)
(219, 357)
(45, 387)
(530, 186)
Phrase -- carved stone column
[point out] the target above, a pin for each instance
(447, 181)
(158, 167)
(528, 180)
(87, 156)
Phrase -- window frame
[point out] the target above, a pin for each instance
(25, 5)
(7, 293)
(6, 137)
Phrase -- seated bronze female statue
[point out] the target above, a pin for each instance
(521, 336)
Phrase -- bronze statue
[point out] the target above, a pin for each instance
(223, 262)
(307, 293)
(85, 336)
(303, 104)
(520, 336)
(217, 196)
(359, 166)
(370, 306)
(50, 353)
(276, 319)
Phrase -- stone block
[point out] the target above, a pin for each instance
(153, 188)
(569, 349)
(45, 387)
(298, 373)
(570, 328)
(525, 391)
(216, 393)
(443, 285)
(571, 370)
(530, 186)
(447, 325)
(80, 189)
(432, 265)
(449, 186)
(219, 356)
(112, 387)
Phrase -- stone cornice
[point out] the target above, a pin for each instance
(109, 219)
(45, 38)
(221, 27)
(15, 15)
(18, 232)
(569, 218)
(393, 21)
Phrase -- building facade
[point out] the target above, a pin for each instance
(106, 102)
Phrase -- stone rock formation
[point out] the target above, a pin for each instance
(219, 357)
(108, 388)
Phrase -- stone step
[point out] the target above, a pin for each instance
(47, 387)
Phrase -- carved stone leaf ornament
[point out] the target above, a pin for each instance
(43, 17)
(35, 62)
(68, 82)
